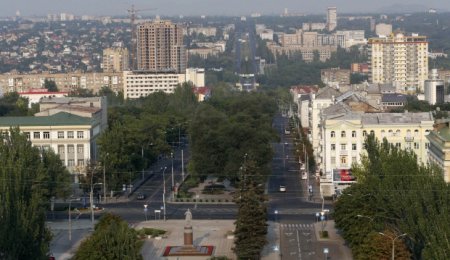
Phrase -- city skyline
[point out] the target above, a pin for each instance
(205, 7)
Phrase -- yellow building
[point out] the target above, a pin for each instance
(115, 60)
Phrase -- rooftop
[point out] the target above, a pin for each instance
(58, 119)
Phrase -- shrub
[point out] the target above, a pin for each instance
(323, 234)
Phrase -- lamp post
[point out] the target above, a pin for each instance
(393, 242)
(164, 192)
(279, 231)
(145, 211)
(326, 251)
(173, 184)
(104, 178)
(92, 198)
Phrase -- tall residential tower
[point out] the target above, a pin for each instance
(160, 47)
(331, 18)
(399, 59)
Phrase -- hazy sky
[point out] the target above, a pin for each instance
(208, 7)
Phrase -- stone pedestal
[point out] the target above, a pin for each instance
(188, 236)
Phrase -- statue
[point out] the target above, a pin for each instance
(188, 215)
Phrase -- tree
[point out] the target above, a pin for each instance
(112, 239)
(251, 222)
(25, 186)
(50, 85)
(396, 195)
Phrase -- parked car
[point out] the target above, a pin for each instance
(282, 188)
(140, 196)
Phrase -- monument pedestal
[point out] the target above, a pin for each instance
(188, 236)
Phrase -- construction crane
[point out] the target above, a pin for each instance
(132, 13)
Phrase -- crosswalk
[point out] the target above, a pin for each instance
(296, 226)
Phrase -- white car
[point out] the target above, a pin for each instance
(304, 176)
(282, 188)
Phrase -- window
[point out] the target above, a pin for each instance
(333, 160)
(70, 149)
(353, 133)
(397, 133)
(27, 134)
(333, 134)
(80, 162)
(60, 149)
(46, 135)
(37, 135)
(364, 133)
(80, 134)
(80, 148)
(416, 145)
(391, 133)
(343, 134)
(398, 145)
(70, 134)
(71, 162)
(427, 145)
(354, 159)
(416, 132)
(372, 132)
(354, 147)
(383, 133)
(60, 134)
(343, 147)
(343, 159)
(333, 147)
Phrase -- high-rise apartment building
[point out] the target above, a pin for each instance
(400, 60)
(331, 18)
(160, 47)
(115, 60)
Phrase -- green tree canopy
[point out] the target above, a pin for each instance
(112, 239)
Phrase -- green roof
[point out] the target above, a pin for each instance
(59, 119)
(444, 133)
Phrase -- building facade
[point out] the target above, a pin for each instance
(439, 151)
(343, 135)
(70, 136)
(331, 18)
(400, 60)
(65, 82)
(434, 89)
(335, 76)
(141, 84)
(160, 47)
(115, 60)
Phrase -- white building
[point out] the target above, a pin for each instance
(143, 83)
(434, 89)
(344, 133)
(400, 60)
(349, 38)
(35, 95)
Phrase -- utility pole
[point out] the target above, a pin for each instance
(164, 193)
(182, 165)
(173, 184)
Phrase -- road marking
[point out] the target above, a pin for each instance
(299, 248)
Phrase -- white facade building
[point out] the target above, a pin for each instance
(434, 89)
(142, 83)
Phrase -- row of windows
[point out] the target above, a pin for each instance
(383, 132)
(46, 135)
(70, 149)
(398, 145)
(71, 162)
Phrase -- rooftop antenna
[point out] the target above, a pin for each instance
(132, 13)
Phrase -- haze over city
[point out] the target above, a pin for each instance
(213, 7)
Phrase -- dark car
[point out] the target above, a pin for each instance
(140, 196)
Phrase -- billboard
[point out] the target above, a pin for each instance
(343, 175)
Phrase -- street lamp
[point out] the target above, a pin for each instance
(326, 251)
(104, 178)
(279, 232)
(164, 192)
(393, 242)
(145, 211)
(92, 201)
(173, 184)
